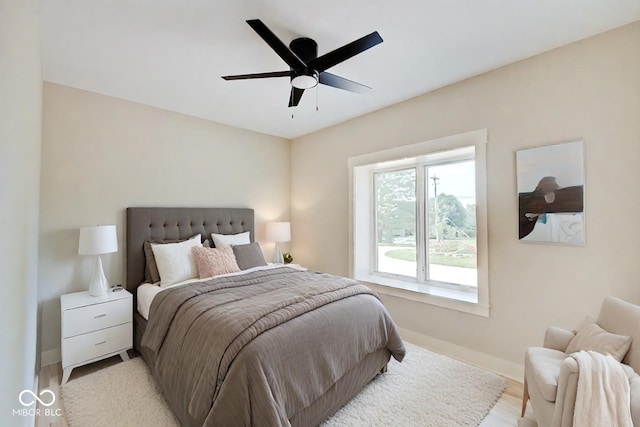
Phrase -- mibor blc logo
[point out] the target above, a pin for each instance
(28, 400)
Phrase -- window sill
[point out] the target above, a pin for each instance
(447, 298)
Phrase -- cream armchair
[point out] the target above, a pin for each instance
(551, 377)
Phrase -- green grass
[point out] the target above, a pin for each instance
(408, 254)
(452, 260)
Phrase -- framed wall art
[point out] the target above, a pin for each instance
(550, 181)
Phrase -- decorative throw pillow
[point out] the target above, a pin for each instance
(175, 261)
(220, 240)
(214, 261)
(151, 274)
(249, 256)
(590, 336)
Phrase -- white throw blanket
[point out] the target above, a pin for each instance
(603, 396)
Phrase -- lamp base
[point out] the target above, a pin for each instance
(277, 255)
(98, 285)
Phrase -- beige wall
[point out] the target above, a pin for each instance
(20, 130)
(590, 90)
(101, 155)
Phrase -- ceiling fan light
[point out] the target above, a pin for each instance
(304, 81)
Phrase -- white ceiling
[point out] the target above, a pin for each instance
(171, 53)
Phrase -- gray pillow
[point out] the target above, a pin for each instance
(249, 256)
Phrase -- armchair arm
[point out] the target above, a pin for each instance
(566, 393)
(557, 338)
(568, 388)
(634, 385)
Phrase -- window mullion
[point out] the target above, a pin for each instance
(374, 225)
(425, 222)
(421, 249)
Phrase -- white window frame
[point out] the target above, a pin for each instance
(362, 259)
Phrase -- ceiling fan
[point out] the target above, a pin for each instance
(306, 69)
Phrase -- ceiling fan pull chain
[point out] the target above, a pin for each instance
(316, 97)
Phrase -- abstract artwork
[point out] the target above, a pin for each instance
(551, 193)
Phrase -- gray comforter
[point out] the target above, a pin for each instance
(258, 348)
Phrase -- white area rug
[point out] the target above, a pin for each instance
(426, 389)
(124, 394)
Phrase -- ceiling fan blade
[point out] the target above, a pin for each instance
(258, 75)
(342, 83)
(276, 44)
(345, 52)
(295, 96)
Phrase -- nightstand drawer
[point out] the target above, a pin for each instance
(89, 346)
(96, 316)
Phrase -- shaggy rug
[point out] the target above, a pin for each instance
(426, 389)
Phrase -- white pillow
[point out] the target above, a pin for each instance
(220, 240)
(175, 261)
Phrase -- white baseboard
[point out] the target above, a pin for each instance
(503, 367)
(50, 357)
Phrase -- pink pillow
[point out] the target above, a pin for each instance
(214, 261)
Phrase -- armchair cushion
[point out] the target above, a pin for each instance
(590, 336)
(542, 366)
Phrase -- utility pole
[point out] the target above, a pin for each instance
(435, 180)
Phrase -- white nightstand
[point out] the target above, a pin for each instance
(94, 328)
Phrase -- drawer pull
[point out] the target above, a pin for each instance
(101, 342)
(99, 316)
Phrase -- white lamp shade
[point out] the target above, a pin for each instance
(278, 231)
(99, 239)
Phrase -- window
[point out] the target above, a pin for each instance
(395, 211)
(419, 221)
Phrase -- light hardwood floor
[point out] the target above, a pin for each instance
(505, 413)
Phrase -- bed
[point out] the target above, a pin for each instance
(269, 346)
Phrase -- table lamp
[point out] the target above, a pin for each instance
(278, 232)
(97, 240)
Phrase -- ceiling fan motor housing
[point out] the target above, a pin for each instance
(306, 49)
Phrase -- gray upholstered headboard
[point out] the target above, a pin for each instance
(177, 223)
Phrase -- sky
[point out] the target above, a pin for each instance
(457, 179)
